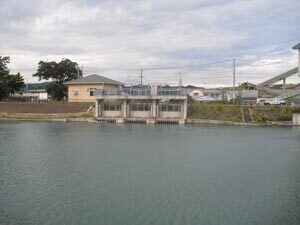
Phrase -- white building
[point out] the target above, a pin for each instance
(206, 95)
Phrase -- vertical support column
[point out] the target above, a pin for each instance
(124, 108)
(154, 108)
(184, 109)
(299, 62)
(97, 108)
(100, 107)
(128, 112)
(284, 81)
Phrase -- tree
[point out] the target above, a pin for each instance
(60, 72)
(247, 86)
(3, 62)
(9, 83)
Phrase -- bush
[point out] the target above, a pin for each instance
(296, 109)
(219, 107)
(285, 115)
(259, 117)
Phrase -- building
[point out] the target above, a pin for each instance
(31, 95)
(83, 89)
(206, 95)
(146, 104)
(196, 93)
(41, 93)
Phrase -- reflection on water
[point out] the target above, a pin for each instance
(80, 173)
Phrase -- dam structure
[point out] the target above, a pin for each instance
(141, 104)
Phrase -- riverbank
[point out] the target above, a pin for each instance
(224, 122)
(53, 111)
(221, 114)
(64, 117)
(89, 118)
(44, 107)
(214, 114)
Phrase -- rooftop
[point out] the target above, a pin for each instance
(93, 79)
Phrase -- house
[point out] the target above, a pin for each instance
(206, 95)
(31, 95)
(214, 93)
(83, 89)
(196, 93)
(41, 93)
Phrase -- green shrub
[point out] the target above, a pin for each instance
(285, 115)
(296, 109)
(219, 107)
(259, 117)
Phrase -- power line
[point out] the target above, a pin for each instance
(188, 66)
(203, 65)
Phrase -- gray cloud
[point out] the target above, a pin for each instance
(127, 35)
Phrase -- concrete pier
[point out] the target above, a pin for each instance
(296, 119)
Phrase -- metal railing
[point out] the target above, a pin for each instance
(169, 91)
(137, 91)
(134, 91)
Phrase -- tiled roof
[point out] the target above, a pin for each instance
(93, 79)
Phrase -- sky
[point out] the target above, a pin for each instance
(116, 38)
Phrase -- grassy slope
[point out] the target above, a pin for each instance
(215, 112)
(273, 113)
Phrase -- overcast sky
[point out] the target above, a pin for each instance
(115, 38)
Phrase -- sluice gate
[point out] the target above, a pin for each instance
(149, 104)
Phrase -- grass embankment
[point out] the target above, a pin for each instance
(37, 116)
(262, 114)
(215, 112)
(224, 112)
(44, 111)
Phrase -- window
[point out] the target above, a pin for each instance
(92, 90)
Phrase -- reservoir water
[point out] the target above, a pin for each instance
(84, 173)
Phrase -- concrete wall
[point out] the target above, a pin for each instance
(153, 113)
(249, 93)
(140, 114)
(296, 119)
(81, 92)
(170, 114)
(112, 113)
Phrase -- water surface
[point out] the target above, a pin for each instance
(82, 173)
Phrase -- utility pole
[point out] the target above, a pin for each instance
(27, 85)
(77, 67)
(180, 80)
(233, 83)
(141, 76)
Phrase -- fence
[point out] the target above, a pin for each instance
(136, 91)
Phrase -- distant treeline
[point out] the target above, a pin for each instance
(34, 86)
